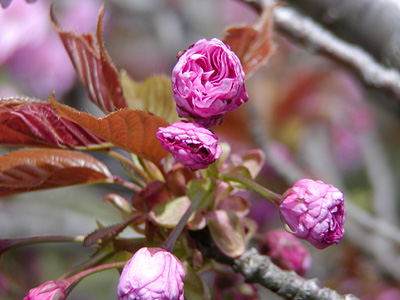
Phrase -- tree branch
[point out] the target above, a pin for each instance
(258, 268)
(372, 24)
(313, 36)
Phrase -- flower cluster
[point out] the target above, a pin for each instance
(207, 82)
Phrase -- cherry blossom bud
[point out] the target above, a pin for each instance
(207, 82)
(152, 274)
(50, 290)
(286, 251)
(314, 211)
(190, 144)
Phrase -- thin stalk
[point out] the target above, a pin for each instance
(7, 244)
(127, 184)
(87, 264)
(271, 196)
(78, 277)
(146, 169)
(127, 161)
(133, 176)
(175, 233)
(71, 282)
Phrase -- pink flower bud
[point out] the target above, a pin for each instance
(207, 82)
(314, 211)
(190, 144)
(50, 290)
(286, 251)
(152, 274)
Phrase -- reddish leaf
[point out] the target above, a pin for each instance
(37, 169)
(94, 66)
(253, 43)
(27, 122)
(131, 130)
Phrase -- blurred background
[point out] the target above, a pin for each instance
(310, 115)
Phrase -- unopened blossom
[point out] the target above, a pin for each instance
(314, 211)
(50, 290)
(152, 274)
(190, 144)
(286, 251)
(207, 82)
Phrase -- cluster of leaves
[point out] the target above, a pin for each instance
(133, 113)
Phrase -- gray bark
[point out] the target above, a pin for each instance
(372, 24)
(259, 269)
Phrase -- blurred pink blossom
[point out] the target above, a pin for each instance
(31, 49)
(285, 250)
(6, 3)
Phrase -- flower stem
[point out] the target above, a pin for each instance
(127, 184)
(175, 233)
(271, 196)
(128, 162)
(87, 264)
(78, 277)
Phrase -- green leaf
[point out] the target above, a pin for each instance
(122, 256)
(194, 286)
(227, 232)
(169, 213)
(203, 188)
(153, 95)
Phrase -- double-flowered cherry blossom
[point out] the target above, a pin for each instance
(207, 82)
(314, 211)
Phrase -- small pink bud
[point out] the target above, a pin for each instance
(152, 274)
(50, 290)
(286, 251)
(190, 144)
(314, 211)
(207, 82)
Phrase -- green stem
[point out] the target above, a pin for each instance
(271, 196)
(146, 169)
(127, 161)
(175, 233)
